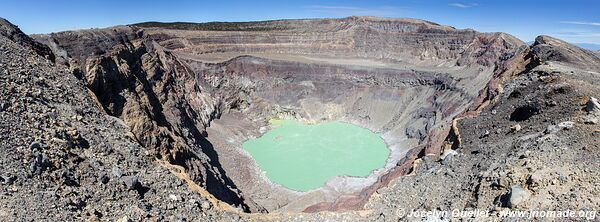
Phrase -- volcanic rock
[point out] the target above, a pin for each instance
(171, 103)
(518, 195)
(592, 106)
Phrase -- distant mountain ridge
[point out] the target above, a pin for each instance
(588, 46)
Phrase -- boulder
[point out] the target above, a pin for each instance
(3, 106)
(566, 125)
(124, 219)
(39, 163)
(590, 119)
(131, 182)
(518, 195)
(592, 105)
(116, 172)
(205, 205)
(515, 128)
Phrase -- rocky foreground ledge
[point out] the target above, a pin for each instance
(120, 123)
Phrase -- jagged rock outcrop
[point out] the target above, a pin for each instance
(548, 49)
(155, 95)
(13, 33)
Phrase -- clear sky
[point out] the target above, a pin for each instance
(574, 21)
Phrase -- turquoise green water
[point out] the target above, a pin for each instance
(303, 157)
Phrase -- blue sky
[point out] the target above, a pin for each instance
(574, 21)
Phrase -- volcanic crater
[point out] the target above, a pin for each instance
(193, 93)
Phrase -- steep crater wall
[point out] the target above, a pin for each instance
(195, 106)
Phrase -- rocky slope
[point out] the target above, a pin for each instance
(63, 158)
(533, 149)
(183, 97)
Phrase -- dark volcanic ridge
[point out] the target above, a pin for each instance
(147, 120)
